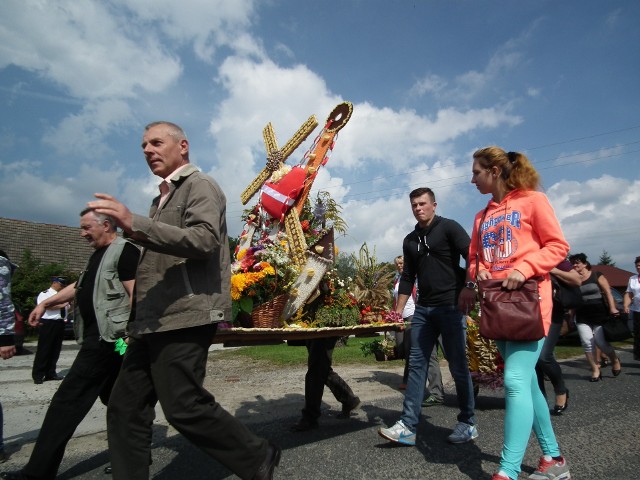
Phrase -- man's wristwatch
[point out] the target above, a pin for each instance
(471, 285)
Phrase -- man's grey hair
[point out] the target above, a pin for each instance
(175, 131)
(101, 217)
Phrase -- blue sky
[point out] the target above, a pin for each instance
(430, 81)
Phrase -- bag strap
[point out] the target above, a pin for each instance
(484, 214)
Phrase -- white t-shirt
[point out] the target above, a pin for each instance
(410, 307)
(634, 289)
(49, 314)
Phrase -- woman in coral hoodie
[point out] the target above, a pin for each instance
(519, 239)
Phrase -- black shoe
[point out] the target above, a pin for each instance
(349, 407)
(558, 409)
(38, 381)
(53, 377)
(271, 461)
(3, 456)
(596, 379)
(304, 425)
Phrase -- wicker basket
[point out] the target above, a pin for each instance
(269, 314)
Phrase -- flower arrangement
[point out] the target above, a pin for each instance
(260, 273)
(372, 287)
(334, 307)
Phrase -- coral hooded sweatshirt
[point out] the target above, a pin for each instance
(520, 233)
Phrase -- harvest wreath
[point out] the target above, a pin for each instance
(283, 271)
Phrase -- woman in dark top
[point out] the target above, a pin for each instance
(597, 306)
(547, 364)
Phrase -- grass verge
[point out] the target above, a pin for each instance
(285, 355)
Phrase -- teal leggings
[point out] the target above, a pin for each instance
(526, 407)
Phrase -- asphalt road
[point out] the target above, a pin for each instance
(598, 434)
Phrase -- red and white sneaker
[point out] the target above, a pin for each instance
(497, 476)
(551, 470)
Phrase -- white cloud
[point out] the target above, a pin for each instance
(208, 24)
(599, 214)
(85, 131)
(431, 83)
(83, 47)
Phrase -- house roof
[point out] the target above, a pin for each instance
(48, 243)
(616, 277)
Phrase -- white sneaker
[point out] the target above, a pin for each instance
(463, 433)
(399, 433)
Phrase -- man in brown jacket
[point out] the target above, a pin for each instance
(182, 293)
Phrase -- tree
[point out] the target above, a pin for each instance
(605, 259)
(32, 277)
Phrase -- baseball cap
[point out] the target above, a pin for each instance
(60, 280)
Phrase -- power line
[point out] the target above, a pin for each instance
(379, 193)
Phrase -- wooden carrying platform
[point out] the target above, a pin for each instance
(274, 334)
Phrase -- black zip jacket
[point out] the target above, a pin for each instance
(432, 255)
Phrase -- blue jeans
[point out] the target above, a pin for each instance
(428, 323)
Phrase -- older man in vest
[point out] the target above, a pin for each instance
(102, 307)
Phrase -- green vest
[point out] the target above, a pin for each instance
(110, 299)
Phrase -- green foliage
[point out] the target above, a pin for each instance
(373, 281)
(337, 316)
(605, 259)
(331, 210)
(32, 277)
(384, 345)
(345, 266)
(282, 355)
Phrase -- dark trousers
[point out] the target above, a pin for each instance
(636, 334)
(170, 367)
(547, 363)
(50, 338)
(319, 374)
(92, 375)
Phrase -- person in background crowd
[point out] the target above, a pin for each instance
(103, 300)
(50, 336)
(632, 308)
(515, 238)
(597, 306)
(434, 393)
(183, 290)
(320, 374)
(7, 327)
(432, 254)
(547, 363)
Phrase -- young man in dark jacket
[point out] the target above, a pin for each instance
(432, 254)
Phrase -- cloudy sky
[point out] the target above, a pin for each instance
(430, 81)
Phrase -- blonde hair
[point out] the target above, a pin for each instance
(517, 172)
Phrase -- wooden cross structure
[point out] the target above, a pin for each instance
(275, 156)
(315, 157)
